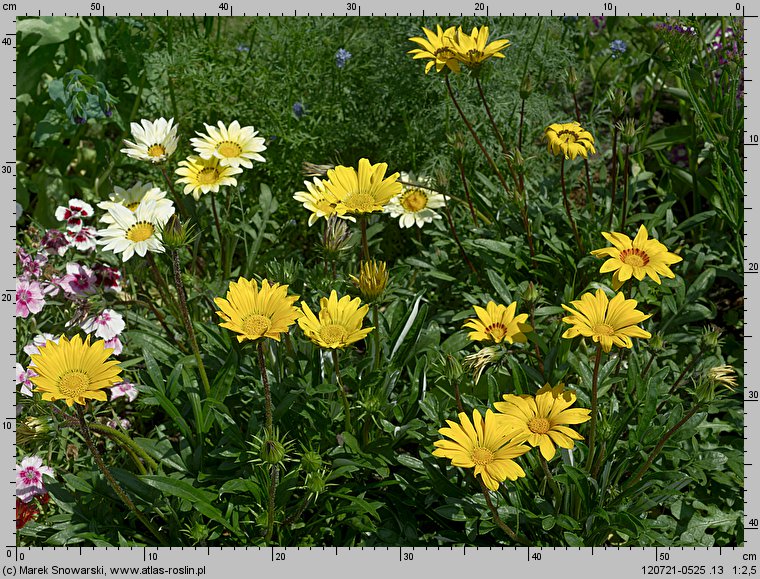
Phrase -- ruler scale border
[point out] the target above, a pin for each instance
(403, 561)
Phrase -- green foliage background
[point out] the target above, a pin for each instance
(382, 486)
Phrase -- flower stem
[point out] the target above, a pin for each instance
(456, 237)
(491, 164)
(342, 390)
(614, 172)
(126, 442)
(594, 408)
(175, 196)
(626, 171)
(111, 480)
(274, 475)
(681, 376)
(552, 483)
(497, 519)
(589, 190)
(567, 206)
(376, 322)
(365, 245)
(222, 242)
(267, 391)
(460, 165)
(186, 320)
(637, 477)
(495, 127)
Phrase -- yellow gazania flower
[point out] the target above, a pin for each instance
(541, 420)
(606, 321)
(319, 201)
(472, 50)
(637, 258)
(485, 445)
(74, 370)
(204, 175)
(569, 138)
(438, 48)
(498, 322)
(339, 323)
(256, 313)
(233, 146)
(364, 191)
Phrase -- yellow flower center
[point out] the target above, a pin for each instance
(360, 202)
(208, 176)
(414, 200)
(73, 384)
(497, 330)
(256, 325)
(603, 330)
(333, 333)
(133, 206)
(140, 231)
(228, 149)
(539, 425)
(156, 150)
(634, 257)
(482, 456)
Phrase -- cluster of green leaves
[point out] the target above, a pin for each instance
(381, 485)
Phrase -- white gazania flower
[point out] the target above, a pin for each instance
(319, 201)
(131, 233)
(132, 197)
(233, 145)
(204, 175)
(154, 141)
(415, 203)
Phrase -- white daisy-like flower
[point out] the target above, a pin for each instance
(233, 145)
(415, 203)
(320, 201)
(130, 233)
(203, 175)
(153, 142)
(132, 197)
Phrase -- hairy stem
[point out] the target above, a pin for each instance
(111, 480)
(342, 391)
(567, 207)
(594, 408)
(187, 322)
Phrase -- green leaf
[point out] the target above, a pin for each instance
(198, 498)
(499, 286)
(225, 376)
(700, 285)
(48, 29)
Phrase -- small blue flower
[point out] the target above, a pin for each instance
(298, 109)
(342, 57)
(242, 48)
(618, 47)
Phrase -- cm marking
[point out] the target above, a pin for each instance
(9, 7)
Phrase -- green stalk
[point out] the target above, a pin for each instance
(267, 391)
(187, 322)
(552, 483)
(126, 442)
(111, 480)
(376, 322)
(567, 206)
(594, 408)
(342, 391)
(637, 477)
(365, 245)
(497, 519)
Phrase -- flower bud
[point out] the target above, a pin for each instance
(572, 80)
(526, 87)
(311, 461)
(272, 451)
(337, 237)
(372, 280)
(176, 234)
(315, 482)
(531, 294)
(618, 100)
